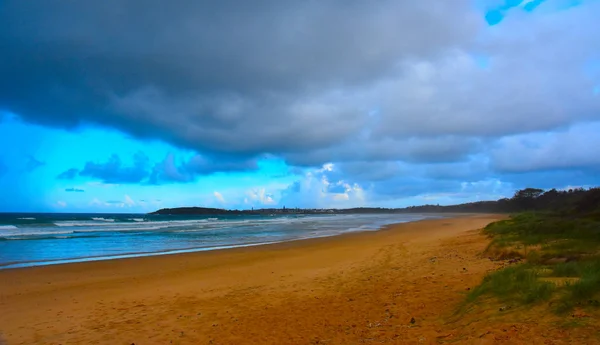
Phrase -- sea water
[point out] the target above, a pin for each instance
(43, 239)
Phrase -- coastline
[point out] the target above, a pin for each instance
(223, 295)
(224, 246)
(61, 239)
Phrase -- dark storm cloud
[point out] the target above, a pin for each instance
(365, 172)
(413, 150)
(423, 91)
(234, 77)
(202, 165)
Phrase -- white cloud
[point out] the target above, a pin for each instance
(572, 148)
(259, 196)
(316, 189)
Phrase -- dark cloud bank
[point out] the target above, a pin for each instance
(384, 89)
(142, 170)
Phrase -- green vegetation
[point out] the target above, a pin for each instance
(518, 283)
(560, 251)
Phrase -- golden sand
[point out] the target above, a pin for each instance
(395, 286)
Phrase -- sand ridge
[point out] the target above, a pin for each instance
(398, 285)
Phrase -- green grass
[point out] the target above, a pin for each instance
(568, 269)
(518, 284)
(554, 232)
(553, 245)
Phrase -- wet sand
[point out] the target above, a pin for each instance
(398, 285)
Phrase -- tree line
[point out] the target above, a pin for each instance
(576, 201)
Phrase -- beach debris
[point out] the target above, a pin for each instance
(433, 259)
(371, 324)
(412, 320)
(504, 308)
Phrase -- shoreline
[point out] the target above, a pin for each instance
(132, 255)
(234, 295)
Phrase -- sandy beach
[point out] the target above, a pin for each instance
(398, 285)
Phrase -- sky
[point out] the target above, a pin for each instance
(134, 105)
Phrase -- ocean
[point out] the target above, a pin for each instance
(45, 239)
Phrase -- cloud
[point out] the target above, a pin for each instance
(296, 67)
(259, 197)
(316, 189)
(78, 190)
(69, 174)
(201, 165)
(403, 97)
(383, 148)
(573, 148)
(300, 84)
(168, 171)
(187, 171)
(113, 170)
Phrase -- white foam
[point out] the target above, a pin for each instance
(138, 225)
(17, 233)
(82, 223)
(123, 228)
(7, 227)
(103, 219)
(26, 218)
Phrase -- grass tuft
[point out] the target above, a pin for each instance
(518, 283)
(554, 246)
